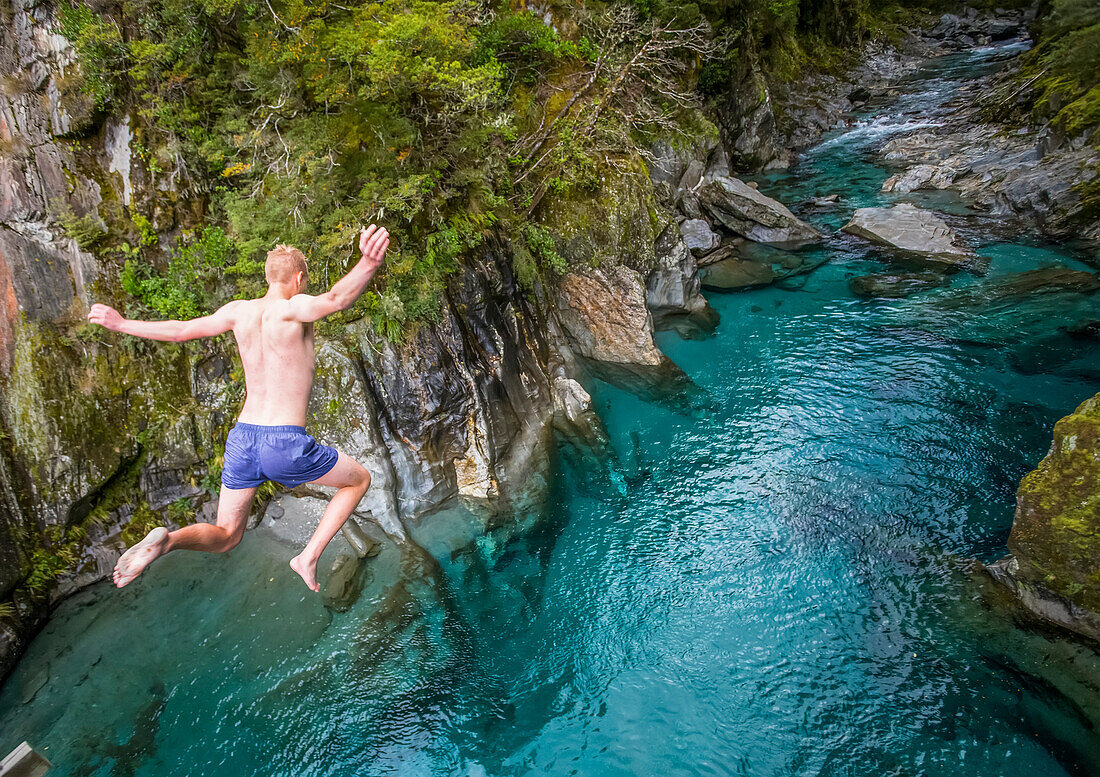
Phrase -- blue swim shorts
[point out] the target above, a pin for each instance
(286, 454)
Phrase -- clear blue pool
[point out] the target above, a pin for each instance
(772, 582)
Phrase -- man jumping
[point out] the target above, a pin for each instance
(275, 338)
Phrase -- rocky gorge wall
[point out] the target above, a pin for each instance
(105, 437)
(1054, 566)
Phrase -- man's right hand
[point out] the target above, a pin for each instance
(105, 316)
(373, 242)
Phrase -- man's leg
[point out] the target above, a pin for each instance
(353, 480)
(233, 506)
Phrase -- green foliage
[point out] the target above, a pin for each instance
(147, 235)
(301, 122)
(182, 511)
(526, 47)
(56, 556)
(541, 245)
(193, 282)
(1063, 70)
(143, 520)
(99, 48)
(88, 230)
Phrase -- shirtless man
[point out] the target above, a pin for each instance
(275, 337)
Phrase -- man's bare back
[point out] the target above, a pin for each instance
(274, 335)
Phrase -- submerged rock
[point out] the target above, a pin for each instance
(1085, 330)
(912, 230)
(345, 582)
(895, 285)
(748, 265)
(733, 273)
(746, 212)
(1018, 286)
(1054, 566)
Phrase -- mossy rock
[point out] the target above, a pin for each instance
(616, 223)
(77, 410)
(1056, 532)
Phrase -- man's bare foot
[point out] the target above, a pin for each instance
(140, 556)
(307, 570)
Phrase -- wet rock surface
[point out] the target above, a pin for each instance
(673, 289)
(912, 230)
(745, 211)
(1055, 279)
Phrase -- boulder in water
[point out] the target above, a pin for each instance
(363, 544)
(910, 229)
(895, 285)
(748, 265)
(672, 288)
(745, 211)
(732, 274)
(827, 201)
(344, 583)
(1054, 568)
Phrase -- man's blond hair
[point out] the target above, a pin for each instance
(283, 263)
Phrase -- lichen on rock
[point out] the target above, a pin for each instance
(1055, 539)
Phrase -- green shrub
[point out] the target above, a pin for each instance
(205, 270)
(88, 230)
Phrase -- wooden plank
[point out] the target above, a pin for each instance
(23, 761)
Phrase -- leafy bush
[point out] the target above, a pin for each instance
(1064, 68)
(193, 282)
(87, 230)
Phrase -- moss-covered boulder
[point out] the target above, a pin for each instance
(1055, 540)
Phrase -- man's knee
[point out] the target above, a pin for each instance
(362, 477)
(232, 539)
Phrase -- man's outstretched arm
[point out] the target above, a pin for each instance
(373, 242)
(216, 323)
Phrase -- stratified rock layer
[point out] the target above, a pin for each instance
(745, 211)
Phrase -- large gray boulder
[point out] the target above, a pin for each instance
(921, 177)
(745, 211)
(912, 230)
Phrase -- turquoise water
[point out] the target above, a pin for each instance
(772, 580)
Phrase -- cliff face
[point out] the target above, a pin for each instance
(104, 437)
(1055, 543)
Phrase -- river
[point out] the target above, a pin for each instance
(773, 581)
